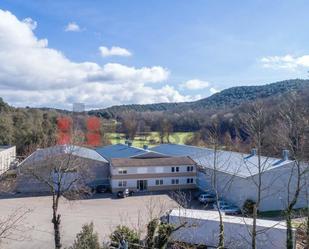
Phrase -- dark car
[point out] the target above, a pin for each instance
(99, 186)
(125, 193)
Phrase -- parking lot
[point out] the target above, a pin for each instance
(106, 212)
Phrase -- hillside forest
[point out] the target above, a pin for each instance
(32, 128)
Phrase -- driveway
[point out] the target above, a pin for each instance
(35, 229)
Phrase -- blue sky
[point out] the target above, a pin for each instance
(212, 45)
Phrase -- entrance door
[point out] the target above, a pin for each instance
(142, 185)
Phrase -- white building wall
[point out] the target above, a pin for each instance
(7, 156)
(274, 183)
(167, 181)
(151, 169)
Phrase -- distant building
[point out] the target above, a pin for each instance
(237, 174)
(7, 157)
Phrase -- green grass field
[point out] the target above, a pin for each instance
(150, 138)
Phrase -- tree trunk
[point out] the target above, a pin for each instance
(56, 222)
(253, 242)
(289, 231)
(221, 232)
(307, 230)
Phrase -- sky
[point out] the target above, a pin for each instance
(54, 53)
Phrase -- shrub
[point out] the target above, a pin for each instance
(248, 207)
(86, 239)
(124, 233)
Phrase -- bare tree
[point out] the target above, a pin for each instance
(130, 126)
(256, 124)
(165, 130)
(294, 132)
(12, 227)
(213, 163)
(213, 139)
(61, 173)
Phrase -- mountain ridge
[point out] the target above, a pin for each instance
(229, 97)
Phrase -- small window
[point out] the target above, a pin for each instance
(189, 180)
(122, 183)
(173, 169)
(190, 168)
(177, 169)
(122, 171)
(175, 181)
(159, 182)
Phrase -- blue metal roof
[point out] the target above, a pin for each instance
(119, 151)
(243, 165)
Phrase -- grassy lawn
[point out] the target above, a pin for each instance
(150, 138)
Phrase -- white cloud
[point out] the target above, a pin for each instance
(195, 84)
(288, 62)
(72, 27)
(213, 90)
(31, 23)
(33, 74)
(114, 51)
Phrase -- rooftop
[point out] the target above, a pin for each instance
(167, 161)
(242, 165)
(123, 151)
(5, 147)
(214, 216)
(79, 151)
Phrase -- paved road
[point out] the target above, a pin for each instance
(35, 230)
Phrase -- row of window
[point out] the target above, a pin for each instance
(176, 169)
(159, 182)
(173, 169)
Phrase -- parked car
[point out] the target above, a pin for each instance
(207, 198)
(198, 193)
(125, 193)
(231, 209)
(99, 186)
(222, 203)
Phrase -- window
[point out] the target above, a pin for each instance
(159, 182)
(173, 169)
(190, 168)
(189, 180)
(122, 183)
(177, 169)
(175, 181)
(122, 171)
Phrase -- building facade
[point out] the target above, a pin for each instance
(7, 157)
(152, 174)
(237, 175)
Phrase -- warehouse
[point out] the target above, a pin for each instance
(237, 175)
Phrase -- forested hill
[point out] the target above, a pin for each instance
(230, 97)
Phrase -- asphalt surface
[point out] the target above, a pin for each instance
(34, 229)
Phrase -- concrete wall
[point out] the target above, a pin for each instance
(7, 156)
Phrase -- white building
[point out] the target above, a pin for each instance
(7, 157)
(166, 173)
(144, 170)
(237, 175)
(201, 227)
